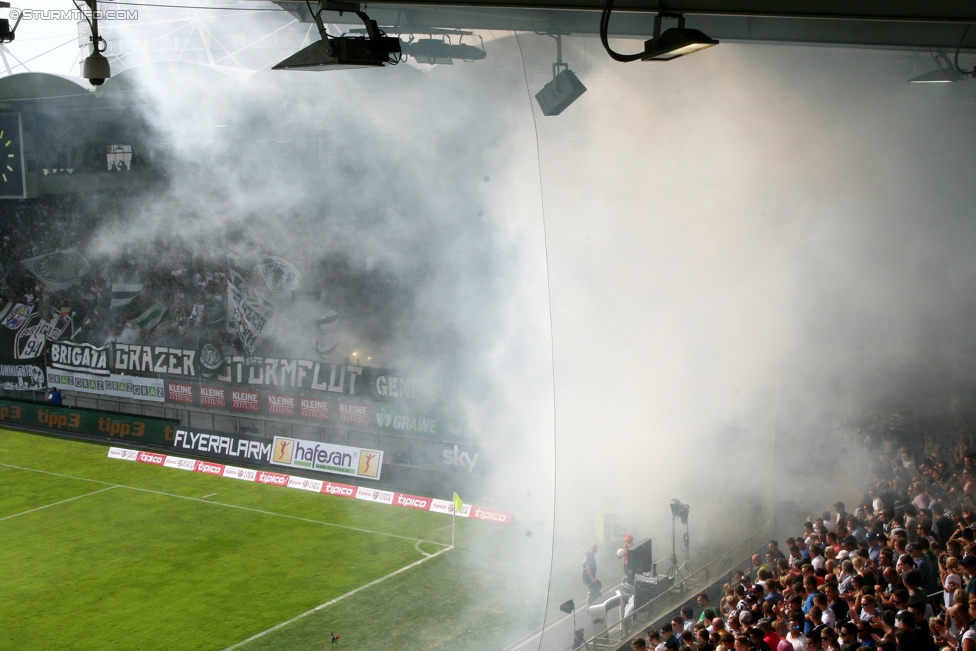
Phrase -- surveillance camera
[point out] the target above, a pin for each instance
(96, 69)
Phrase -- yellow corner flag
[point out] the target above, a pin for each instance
(458, 504)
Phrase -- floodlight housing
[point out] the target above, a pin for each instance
(340, 52)
(946, 71)
(96, 69)
(434, 51)
(679, 510)
(343, 52)
(7, 33)
(676, 42)
(938, 76)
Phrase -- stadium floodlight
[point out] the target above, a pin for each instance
(96, 68)
(344, 52)
(945, 72)
(679, 510)
(673, 43)
(6, 31)
(436, 50)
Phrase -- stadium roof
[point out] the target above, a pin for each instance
(915, 24)
(41, 86)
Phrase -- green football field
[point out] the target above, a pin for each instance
(97, 553)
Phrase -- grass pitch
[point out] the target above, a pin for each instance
(105, 554)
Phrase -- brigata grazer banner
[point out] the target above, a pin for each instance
(84, 358)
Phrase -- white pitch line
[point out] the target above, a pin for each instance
(206, 496)
(70, 499)
(231, 506)
(338, 599)
(417, 547)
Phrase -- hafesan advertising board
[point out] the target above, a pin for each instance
(326, 457)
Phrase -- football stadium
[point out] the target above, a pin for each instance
(460, 325)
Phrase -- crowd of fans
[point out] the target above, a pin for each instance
(896, 573)
(186, 280)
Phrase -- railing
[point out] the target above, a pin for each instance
(618, 636)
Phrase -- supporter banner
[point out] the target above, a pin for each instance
(327, 457)
(59, 270)
(123, 293)
(387, 385)
(253, 372)
(151, 318)
(279, 275)
(16, 316)
(251, 312)
(151, 431)
(228, 447)
(119, 386)
(273, 372)
(32, 336)
(22, 377)
(210, 360)
(84, 358)
(154, 359)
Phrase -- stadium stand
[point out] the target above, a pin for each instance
(895, 573)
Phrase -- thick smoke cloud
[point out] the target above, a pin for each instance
(745, 248)
(741, 248)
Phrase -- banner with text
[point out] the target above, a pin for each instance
(142, 429)
(119, 386)
(327, 457)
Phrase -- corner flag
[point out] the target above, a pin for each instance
(458, 504)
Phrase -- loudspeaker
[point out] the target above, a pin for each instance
(649, 587)
(560, 93)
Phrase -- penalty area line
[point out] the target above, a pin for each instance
(70, 499)
(337, 599)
